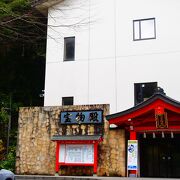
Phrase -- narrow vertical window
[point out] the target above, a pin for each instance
(144, 29)
(69, 48)
(67, 101)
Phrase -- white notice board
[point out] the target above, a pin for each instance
(77, 153)
(132, 152)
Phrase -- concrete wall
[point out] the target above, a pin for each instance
(36, 153)
(107, 60)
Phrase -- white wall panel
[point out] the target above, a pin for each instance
(67, 79)
(151, 68)
(102, 82)
(102, 40)
(107, 60)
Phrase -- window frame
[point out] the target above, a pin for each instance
(65, 49)
(140, 33)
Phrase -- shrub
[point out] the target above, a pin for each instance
(9, 161)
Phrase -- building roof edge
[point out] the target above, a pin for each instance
(43, 5)
(157, 95)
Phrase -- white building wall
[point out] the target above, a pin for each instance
(107, 60)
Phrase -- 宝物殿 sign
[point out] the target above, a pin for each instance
(82, 117)
(132, 155)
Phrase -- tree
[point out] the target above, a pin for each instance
(8, 130)
(22, 65)
(19, 22)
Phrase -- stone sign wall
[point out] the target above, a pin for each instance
(36, 153)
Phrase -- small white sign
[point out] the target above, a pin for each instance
(132, 154)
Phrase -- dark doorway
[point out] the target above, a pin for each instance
(160, 156)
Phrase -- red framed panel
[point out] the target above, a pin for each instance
(93, 142)
(75, 164)
(57, 155)
(78, 141)
(95, 157)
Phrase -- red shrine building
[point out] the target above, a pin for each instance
(155, 124)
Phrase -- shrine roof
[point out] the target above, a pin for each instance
(156, 96)
(76, 138)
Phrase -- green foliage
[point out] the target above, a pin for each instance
(2, 148)
(3, 116)
(22, 79)
(5, 10)
(9, 162)
(19, 5)
(20, 22)
(22, 31)
(13, 8)
(4, 100)
(7, 108)
(4, 104)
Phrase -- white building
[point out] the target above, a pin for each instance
(112, 47)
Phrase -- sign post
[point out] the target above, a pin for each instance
(132, 156)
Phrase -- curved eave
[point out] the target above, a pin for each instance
(43, 5)
(152, 99)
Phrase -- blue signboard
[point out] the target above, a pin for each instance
(132, 153)
(82, 117)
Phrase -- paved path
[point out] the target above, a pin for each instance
(29, 177)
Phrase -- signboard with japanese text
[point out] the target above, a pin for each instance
(82, 117)
(76, 153)
(132, 155)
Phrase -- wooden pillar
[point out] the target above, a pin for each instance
(133, 135)
(95, 157)
(57, 156)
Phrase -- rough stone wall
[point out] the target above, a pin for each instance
(36, 153)
(117, 152)
(111, 160)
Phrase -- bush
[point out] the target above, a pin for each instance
(9, 161)
(2, 149)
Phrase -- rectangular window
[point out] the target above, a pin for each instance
(144, 29)
(142, 91)
(67, 101)
(69, 48)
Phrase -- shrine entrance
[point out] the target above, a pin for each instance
(160, 156)
(155, 127)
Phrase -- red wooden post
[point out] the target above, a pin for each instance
(133, 135)
(95, 157)
(57, 156)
